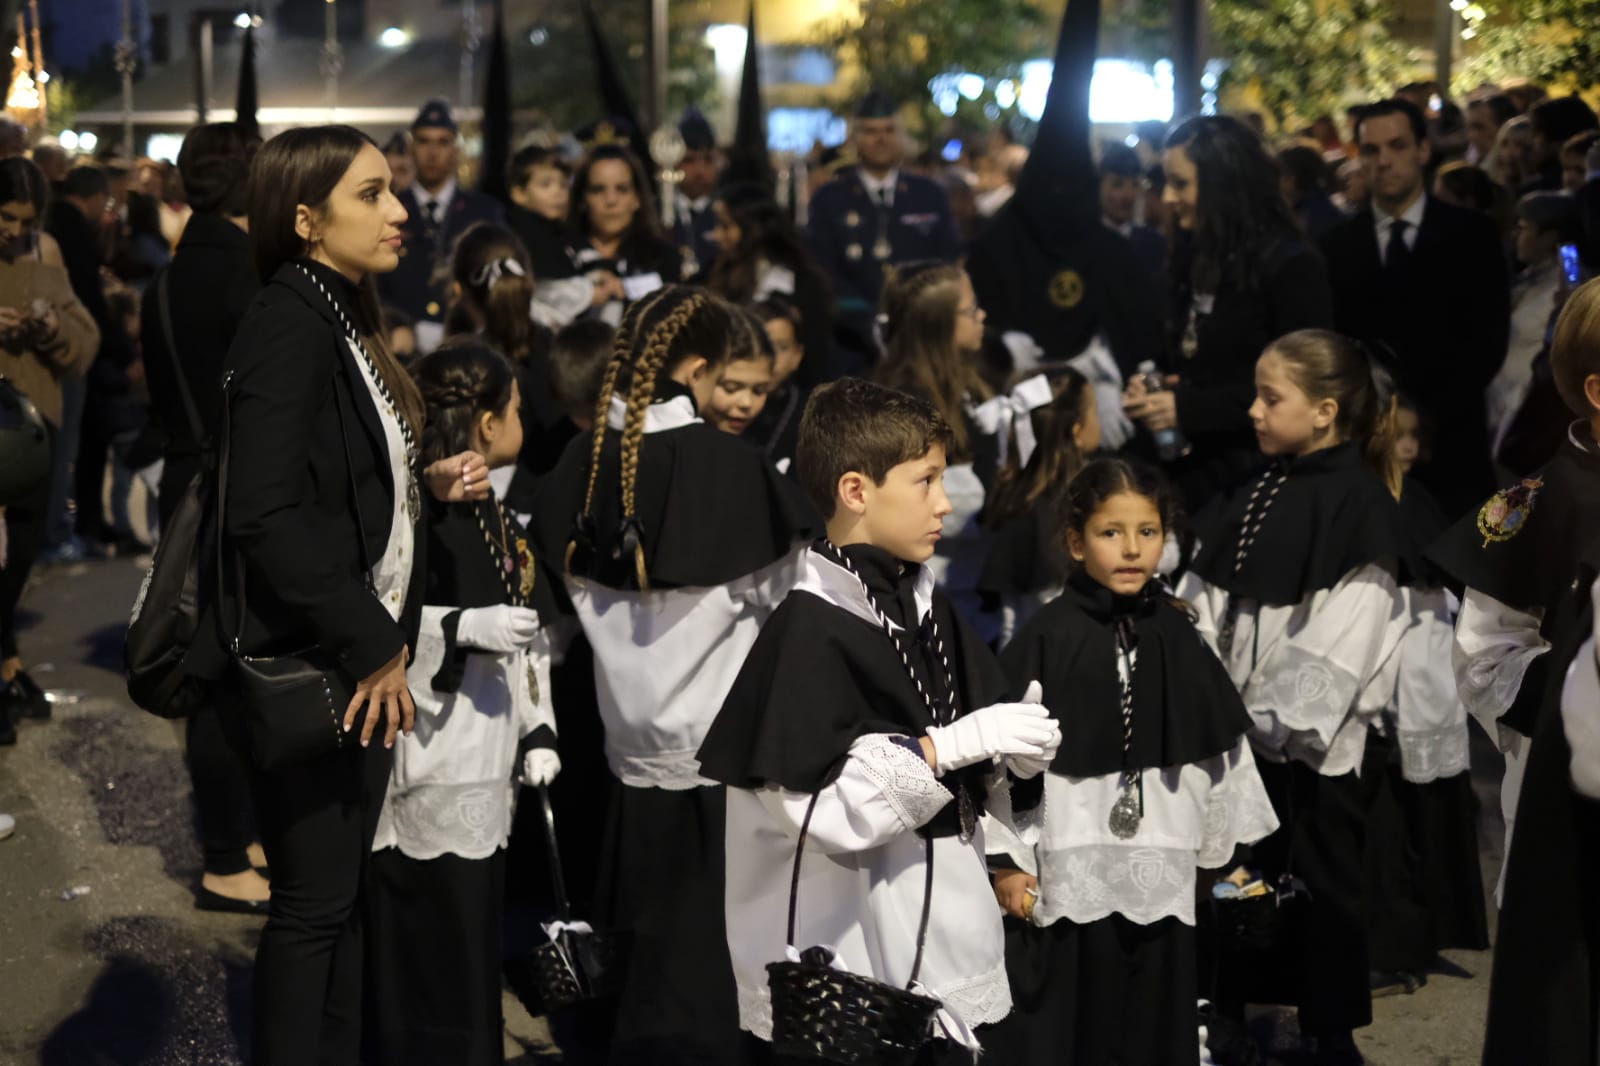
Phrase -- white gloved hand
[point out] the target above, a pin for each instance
(501, 628)
(1023, 767)
(540, 766)
(1001, 729)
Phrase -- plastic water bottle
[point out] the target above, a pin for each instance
(1170, 442)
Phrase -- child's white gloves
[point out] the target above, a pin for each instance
(999, 731)
(1023, 767)
(540, 766)
(501, 628)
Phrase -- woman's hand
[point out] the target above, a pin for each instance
(1157, 410)
(459, 478)
(387, 698)
(607, 287)
(47, 326)
(1016, 890)
(12, 321)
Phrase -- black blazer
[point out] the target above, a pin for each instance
(211, 282)
(289, 513)
(1443, 327)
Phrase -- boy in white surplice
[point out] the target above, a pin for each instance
(867, 691)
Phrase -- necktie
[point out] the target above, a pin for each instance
(1398, 253)
(432, 208)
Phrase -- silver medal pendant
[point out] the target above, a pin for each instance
(533, 684)
(1125, 815)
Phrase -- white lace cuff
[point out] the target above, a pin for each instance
(1307, 692)
(905, 780)
(1429, 754)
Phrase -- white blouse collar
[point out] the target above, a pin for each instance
(670, 414)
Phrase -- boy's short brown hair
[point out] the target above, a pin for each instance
(578, 361)
(1575, 347)
(855, 425)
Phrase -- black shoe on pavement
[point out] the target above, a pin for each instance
(29, 699)
(207, 900)
(8, 732)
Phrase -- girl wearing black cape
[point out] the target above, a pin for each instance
(1296, 582)
(685, 540)
(1154, 780)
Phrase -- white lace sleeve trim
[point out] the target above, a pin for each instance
(1305, 691)
(1238, 811)
(1430, 754)
(905, 780)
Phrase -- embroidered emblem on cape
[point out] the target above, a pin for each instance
(1508, 511)
(1066, 289)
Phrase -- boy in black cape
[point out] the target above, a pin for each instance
(1517, 557)
(867, 710)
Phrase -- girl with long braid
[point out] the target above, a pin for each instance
(684, 542)
(1299, 584)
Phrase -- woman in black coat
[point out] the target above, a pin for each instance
(1241, 275)
(310, 381)
(620, 245)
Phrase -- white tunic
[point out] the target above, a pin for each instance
(862, 878)
(1313, 675)
(1427, 716)
(665, 659)
(451, 790)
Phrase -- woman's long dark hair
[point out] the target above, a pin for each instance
(303, 166)
(1241, 212)
(646, 221)
(764, 233)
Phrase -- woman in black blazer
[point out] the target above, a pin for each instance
(323, 221)
(1241, 275)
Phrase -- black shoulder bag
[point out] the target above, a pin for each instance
(293, 704)
(166, 614)
(828, 1015)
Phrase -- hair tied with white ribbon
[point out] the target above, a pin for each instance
(1009, 413)
(489, 275)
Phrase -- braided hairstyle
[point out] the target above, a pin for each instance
(918, 323)
(656, 336)
(460, 382)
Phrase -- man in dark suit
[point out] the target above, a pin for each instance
(438, 211)
(694, 215)
(875, 216)
(1424, 284)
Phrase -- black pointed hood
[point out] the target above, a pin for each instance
(496, 114)
(245, 103)
(1047, 266)
(615, 100)
(748, 161)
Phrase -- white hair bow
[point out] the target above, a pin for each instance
(489, 275)
(1009, 412)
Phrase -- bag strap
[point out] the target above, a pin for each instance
(164, 304)
(222, 494)
(927, 890)
(557, 880)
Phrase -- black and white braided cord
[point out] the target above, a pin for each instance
(354, 337)
(888, 627)
(1250, 527)
(505, 558)
(1125, 676)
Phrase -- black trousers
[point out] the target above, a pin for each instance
(433, 959)
(224, 813)
(1322, 839)
(26, 521)
(317, 822)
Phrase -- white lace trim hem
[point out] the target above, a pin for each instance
(1430, 754)
(675, 771)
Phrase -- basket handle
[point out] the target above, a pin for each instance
(927, 890)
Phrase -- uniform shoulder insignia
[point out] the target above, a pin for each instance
(1508, 511)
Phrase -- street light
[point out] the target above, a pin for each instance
(394, 37)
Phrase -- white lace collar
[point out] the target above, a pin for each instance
(669, 414)
(833, 584)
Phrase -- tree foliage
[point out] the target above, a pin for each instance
(900, 46)
(1547, 41)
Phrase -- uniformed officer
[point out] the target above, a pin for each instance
(693, 217)
(438, 211)
(875, 216)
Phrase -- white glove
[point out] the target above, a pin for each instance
(501, 628)
(1001, 729)
(1024, 767)
(540, 766)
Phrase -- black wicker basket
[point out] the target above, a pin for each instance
(574, 965)
(822, 1014)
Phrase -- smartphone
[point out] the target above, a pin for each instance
(1570, 264)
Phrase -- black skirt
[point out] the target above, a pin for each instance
(433, 959)
(661, 878)
(1109, 993)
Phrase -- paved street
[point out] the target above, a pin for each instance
(127, 972)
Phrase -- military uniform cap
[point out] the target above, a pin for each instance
(435, 115)
(697, 133)
(877, 104)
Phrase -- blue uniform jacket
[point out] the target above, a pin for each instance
(419, 286)
(844, 233)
